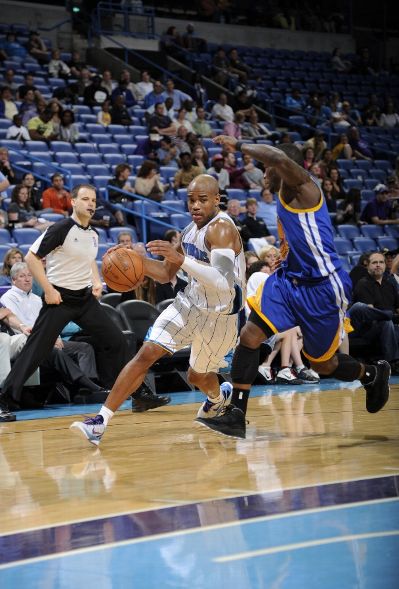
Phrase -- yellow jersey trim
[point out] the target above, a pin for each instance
(292, 210)
(252, 302)
(331, 350)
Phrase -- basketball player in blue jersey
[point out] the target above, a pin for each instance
(204, 316)
(310, 289)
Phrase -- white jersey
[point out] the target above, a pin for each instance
(204, 297)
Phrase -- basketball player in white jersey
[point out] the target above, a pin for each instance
(204, 316)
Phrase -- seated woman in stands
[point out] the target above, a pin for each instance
(21, 213)
(148, 182)
(13, 256)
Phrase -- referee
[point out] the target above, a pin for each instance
(71, 286)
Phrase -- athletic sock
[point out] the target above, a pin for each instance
(370, 373)
(106, 414)
(239, 399)
(215, 400)
(300, 367)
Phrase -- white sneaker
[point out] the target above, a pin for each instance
(267, 373)
(308, 375)
(287, 376)
(92, 428)
(209, 409)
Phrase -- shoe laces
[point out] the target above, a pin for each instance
(97, 420)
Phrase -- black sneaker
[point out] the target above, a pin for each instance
(144, 399)
(5, 413)
(377, 392)
(230, 422)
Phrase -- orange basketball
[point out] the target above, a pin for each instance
(122, 269)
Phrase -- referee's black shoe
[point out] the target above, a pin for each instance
(230, 422)
(377, 391)
(144, 399)
(5, 413)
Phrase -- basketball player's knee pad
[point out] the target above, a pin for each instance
(244, 367)
(348, 368)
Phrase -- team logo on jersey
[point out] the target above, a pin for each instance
(196, 253)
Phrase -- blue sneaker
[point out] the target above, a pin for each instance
(209, 409)
(92, 428)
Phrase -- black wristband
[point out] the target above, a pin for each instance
(239, 145)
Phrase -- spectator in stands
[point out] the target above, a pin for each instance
(125, 239)
(27, 85)
(56, 198)
(235, 212)
(171, 41)
(200, 158)
(253, 175)
(181, 120)
(360, 270)
(295, 101)
(6, 168)
(342, 149)
(308, 157)
(76, 64)
(191, 42)
(348, 211)
(107, 82)
(28, 108)
(271, 255)
(327, 188)
(104, 115)
(149, 146)
(9, 80)
(338, 187)
(317, 143)
(253, 129)
(161, 123)
(389, 117)
(4, 184)
(155, 96)
(316, 113)
(21, 213)
(187, 173)
(84, 82)
(58, 68)
(200, 94)
(221, 111)
(35, 194)
(392, 266)
(148, 182)
(376, 300)
(56, 109)
(326, 162)
(234, 128)
(243, 100)
(218, 171)
(372, 109)
(347, 116)
(123, 90)
(237, 66)
(360, 146)
(8, 108)
(11, 47)
(200, 125)
(338, 64)
(121, 181)
(17, 132)
(145, 86)
(125, 78)
(94, 94)
(69, 131)
(380, 210)
(364, 64)
(37, 48)
(393, 186)
(315, 171)
(221, 67)
(256, 228)
(267, 208)
(12, 256)
(41, 128)
(236, 174)
(105, 216)
(167, 152)
(177, 95)
(119, 112)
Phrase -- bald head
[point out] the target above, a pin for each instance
(206, 184)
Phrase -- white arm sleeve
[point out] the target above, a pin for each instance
(220, 274)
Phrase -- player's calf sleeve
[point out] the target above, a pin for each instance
(244, 369)
(348, 368)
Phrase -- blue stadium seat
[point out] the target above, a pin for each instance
(58, 146)
(389, 243)
(93, 159)
(364, 244)
(101, 181)
(236, 193)
(102, 249)
(135, 161)
(182, 194)
(344, 164)
(108, 148)
(364, 164)
(372, 231)
(180, 221)
(64, 157)
(95, 170)
(367, 194)
(53, 217)
(379, 175)
(352, 183)
(42, 155)
(137, 130)
(113, 159)
(348, 231)
(79, 179)
(102, 235)
(5, 237)
(343, 246)
(5, 123)
(101, 138)
(85, 148)
(148, 206)
(26, 235)
(82, 109)
(87, 119)
(75, 169)
(179, 205)
(114, 232)
(359, 173)
(391, 230)
(345, 264)
(36, 146)
(382, 165)
(370, 183)
(122, 139)
(117, 129)
(95, 128)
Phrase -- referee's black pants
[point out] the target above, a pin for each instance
(81, 307)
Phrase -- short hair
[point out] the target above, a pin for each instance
(122, 233)
(17, 268)
(121, 168)
(56, 175)
(257, 267)
(293, 152)
(251, 201)
(75, 189)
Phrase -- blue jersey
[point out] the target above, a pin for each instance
(307, 241)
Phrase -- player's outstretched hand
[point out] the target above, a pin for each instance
(166, 250)
(225, 140)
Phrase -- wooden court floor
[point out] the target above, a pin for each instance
(159, 459)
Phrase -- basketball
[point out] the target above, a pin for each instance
(122, 269)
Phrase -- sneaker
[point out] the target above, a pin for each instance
(268, 374)
(229, 422)
(92, 428)
(307, 375)
(5, 413)
(377, 392)
(144, 399)
(209, 409)
(287, 376)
